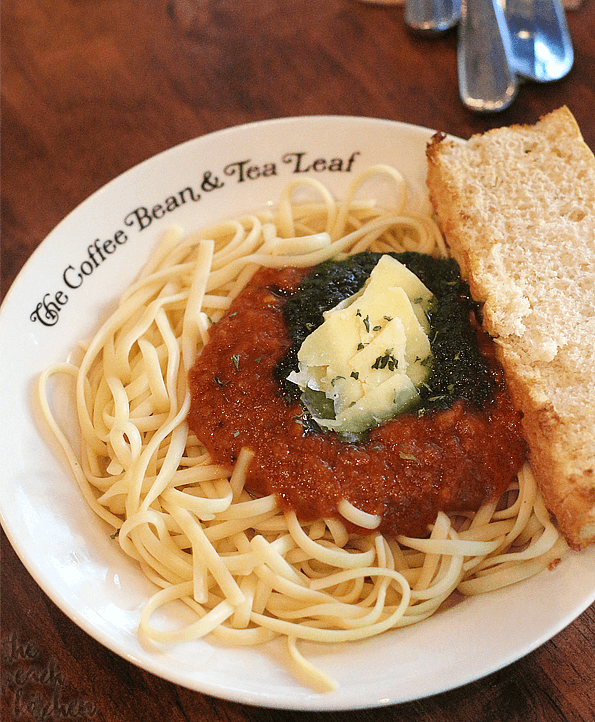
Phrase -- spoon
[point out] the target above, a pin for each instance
(541, 48)
(432, 16)
(487, 83)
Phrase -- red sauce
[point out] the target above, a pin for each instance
(408, 469)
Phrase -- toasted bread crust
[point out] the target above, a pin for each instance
(517, 208)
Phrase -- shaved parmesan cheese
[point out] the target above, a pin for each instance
(370, 354)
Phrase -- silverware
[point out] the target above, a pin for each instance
(498, 39)
(487, 83)
(541, 48)
(432, 16)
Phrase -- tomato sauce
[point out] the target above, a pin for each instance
(406, 471)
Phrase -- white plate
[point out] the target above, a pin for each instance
(68, 550)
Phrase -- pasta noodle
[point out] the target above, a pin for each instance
(249, 571)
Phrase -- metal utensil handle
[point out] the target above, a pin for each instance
(432, 16)
(486, 81)
(540, 40)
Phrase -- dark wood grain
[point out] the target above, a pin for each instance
(92, 87)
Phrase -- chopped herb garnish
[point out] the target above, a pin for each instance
(115, 535)
(258, 359)
(407, 457)
(355, 375)
(388, 318)
(232, 314)
(376, 328)
(360, 346)
(236, 433)
(218, 381)
(236, 360)
(367, 323)
(387, 360)
(337, 378)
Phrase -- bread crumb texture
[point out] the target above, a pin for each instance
(517, 208)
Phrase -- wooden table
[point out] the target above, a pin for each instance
(92, 88)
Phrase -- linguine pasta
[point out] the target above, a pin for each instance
(249, 571)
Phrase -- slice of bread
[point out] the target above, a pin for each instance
(517, 208)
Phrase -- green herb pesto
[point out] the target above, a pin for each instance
(458, 370)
